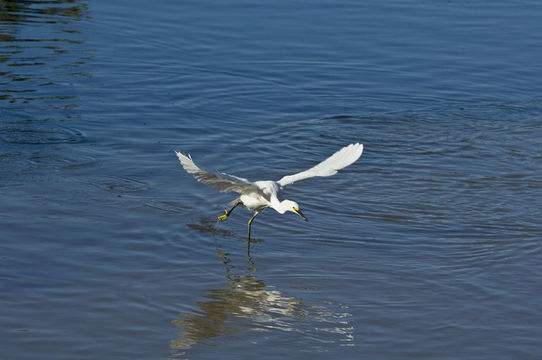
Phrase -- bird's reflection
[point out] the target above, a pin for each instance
(246, 303)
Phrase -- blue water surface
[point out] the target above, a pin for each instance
(428, 247)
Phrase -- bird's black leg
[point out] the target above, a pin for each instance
(224, 217)
(250, 223)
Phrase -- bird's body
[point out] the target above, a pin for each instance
(255, 201)
(261, 194)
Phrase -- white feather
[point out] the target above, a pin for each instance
(341, 159)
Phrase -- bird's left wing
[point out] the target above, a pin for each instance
(341, 159)
(215, 181)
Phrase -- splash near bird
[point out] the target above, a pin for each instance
(258, 195)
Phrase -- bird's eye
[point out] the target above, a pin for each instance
(295, 209)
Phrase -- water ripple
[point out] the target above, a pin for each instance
(40, 135)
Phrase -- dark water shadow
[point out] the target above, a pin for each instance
(43, 67)
(209, 226)
(38, 64)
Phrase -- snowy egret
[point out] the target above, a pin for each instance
(260, 194)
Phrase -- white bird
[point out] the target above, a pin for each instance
(260, 194)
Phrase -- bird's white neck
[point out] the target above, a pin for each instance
(280, 206)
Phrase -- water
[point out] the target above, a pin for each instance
(427, 248)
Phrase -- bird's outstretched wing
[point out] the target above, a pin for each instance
(341, 159)
(215, 181)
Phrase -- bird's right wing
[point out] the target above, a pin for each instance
(341, 159)
(215, 181)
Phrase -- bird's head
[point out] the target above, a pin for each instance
(292, 206)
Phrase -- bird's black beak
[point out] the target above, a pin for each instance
(301, 214)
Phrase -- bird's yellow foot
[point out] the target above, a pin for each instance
(224, 217)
